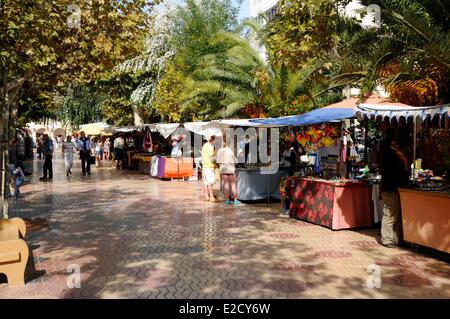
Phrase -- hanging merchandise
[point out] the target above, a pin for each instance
(148, 142)
(324, 135)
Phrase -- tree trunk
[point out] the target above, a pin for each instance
(137, 115)
(4, 132)
(8, 119)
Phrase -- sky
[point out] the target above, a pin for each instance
(245, 9)
(244, 12)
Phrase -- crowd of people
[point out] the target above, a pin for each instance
(91, 150)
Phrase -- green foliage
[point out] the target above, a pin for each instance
(302, 30)
(167, 94)
(38, 43)
(195, 24)
(409, 54)
(227, 84)
(82, 105)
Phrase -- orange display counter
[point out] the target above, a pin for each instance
(426, 218)
(171, 167)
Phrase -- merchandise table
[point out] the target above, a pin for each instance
(174, 167)
(253, 185)
(144, 162)
(426, 217)
(333, 204)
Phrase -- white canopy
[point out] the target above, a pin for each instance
(204, 128)
(166, 128)
(397, 110)
(126, 129)
(241, 122)
(102, 125)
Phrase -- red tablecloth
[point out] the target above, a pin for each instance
(330, 204)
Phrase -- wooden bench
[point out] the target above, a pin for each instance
(13, 250)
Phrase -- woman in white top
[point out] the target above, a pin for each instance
(68, 148)
(98, 152)
(106, 149)
(227, 168)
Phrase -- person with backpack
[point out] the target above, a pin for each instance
(47, 149)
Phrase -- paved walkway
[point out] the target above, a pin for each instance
(137, 237)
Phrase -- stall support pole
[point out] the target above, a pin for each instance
(414, 148)
(366, 140)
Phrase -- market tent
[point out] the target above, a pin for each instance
(398, 110)
(152, 127)
(204, 128)
(165, 129)
(334, 112)
(59, 131)
(99, 128)
(242, 123)
(126, 129)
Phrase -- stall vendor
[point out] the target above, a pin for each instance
(289, 157)
(177, 147)
(394, 170)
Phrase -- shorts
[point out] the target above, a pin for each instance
(209, 176)
(119, 154)
(98, 153)
(227, 169)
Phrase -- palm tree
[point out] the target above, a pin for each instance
(411, 49)
(228, 82)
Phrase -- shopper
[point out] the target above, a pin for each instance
(395, 173)
(119, 144)
(47, 150)
(14, 170)
(208, 168)
(40, 146)
(68, 148)
(227, 168)
(106, 149)
(98, 152)
(84, 147)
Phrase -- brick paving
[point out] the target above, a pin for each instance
(137, 237)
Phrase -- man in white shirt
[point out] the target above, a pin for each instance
(119, 144)
(84, 147)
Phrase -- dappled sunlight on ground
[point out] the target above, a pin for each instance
(138, 237)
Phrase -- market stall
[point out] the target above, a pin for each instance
(169, 167)
(425, 204)
(254, 185)
(99, 128)
(144, 162)
(255, 180)
(426, 217)
(333, 204)
(323, 135)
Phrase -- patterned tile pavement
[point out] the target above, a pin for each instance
(136, 237)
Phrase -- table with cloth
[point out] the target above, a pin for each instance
(252, 184)
(333, 204)
(172, 167)
(426, 217)
(144, 162)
